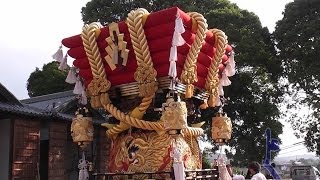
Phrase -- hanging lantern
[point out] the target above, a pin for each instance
(82, 128)
(174, 114)
(221, 128)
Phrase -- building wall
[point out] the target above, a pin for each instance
(25, 155)
(103, 150)
(58, 132)
(5, 134)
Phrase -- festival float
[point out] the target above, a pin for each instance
(152, 74)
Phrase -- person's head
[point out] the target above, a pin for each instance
(254, 167)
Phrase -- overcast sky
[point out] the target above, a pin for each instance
(32, 30)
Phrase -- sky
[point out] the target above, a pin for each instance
(32, 31)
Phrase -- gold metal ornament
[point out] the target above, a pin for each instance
(82, 130)
(174, 115)
(221, 128)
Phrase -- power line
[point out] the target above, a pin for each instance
(292, 145)
(291, 151)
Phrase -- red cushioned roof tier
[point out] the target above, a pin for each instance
(159, 32)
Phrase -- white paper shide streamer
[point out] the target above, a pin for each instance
(83, 168)
(71, 78)
(230, 66)
(58, 56)
(80, 90)
(228, 71)
(178, 166)
(63, 64)
(177, 40)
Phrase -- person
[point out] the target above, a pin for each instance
(254, 168)
(248, 175)
(234, 176)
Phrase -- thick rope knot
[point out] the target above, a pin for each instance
(145, 74)
(90, 45)
(99, 86)
(97, 90)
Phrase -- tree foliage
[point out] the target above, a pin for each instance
(254, 93)
(48, 80)
(298, 39)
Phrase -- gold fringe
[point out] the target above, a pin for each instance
(189, 91)
(212, 100)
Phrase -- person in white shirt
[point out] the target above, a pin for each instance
(234, 176)
(254, 168)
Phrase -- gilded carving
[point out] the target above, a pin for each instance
(221, 128)
(82, 130)
(149, 152)
(174, 114)
(117, 47)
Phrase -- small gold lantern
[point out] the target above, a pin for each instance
(174, 115)
(82, 129)
(221, 128)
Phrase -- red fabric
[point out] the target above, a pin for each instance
(159, 28)
(224, 58)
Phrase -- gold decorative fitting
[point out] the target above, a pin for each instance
(82, 130)
(221, 128)
(117, 47)
(174, 115)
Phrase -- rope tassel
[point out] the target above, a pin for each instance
(212, 100)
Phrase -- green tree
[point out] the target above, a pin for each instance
(254, 93)
(48, 80)
(297, 37)
(206, 164)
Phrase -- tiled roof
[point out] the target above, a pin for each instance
(19, 110)
(29, 111)
(50, 101)
(6, 96)
(51, 106)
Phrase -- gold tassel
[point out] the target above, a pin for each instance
(189, 91)
(212, 101)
